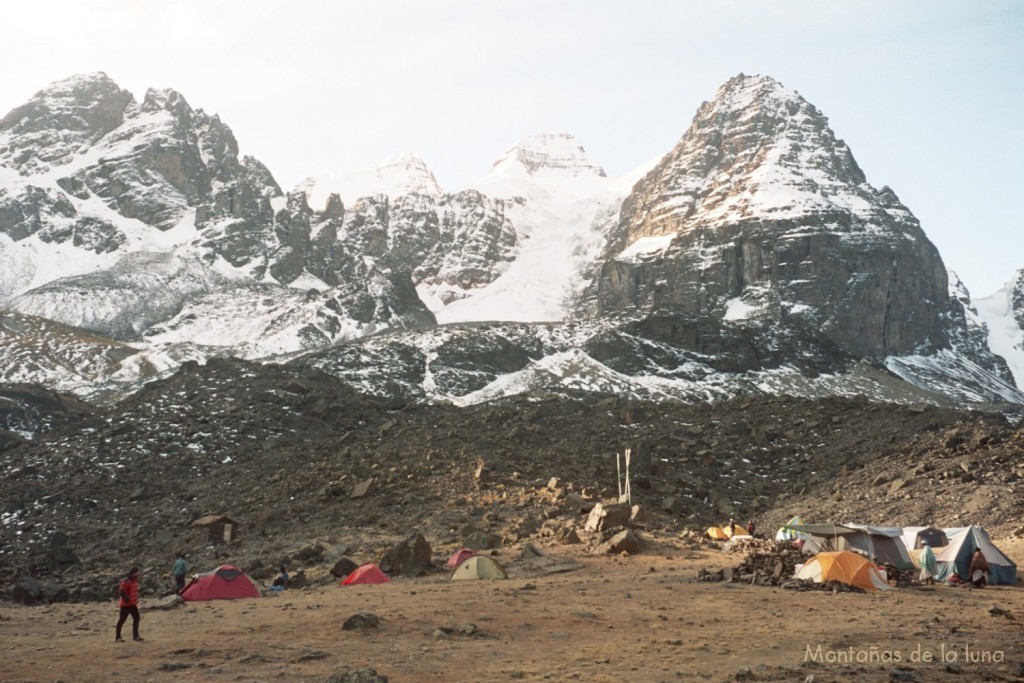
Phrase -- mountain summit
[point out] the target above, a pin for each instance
(754, 248)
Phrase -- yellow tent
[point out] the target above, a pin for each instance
(845, 567)
(478, 567)
(735, 530)
(717, 533)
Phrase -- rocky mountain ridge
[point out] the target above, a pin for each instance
(755, 246)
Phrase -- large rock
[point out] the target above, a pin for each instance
(411, 557)
(622, 542)
(27, 591)
(365, 675)
(604, 517)
(343, 568)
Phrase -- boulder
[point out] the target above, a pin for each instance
(343, 568)
(366, 675)
(27, 591)
(410, 558)
(624, 541)
(672, 505)
(481, 540)
(361, 621)
(604, 517)
(363, 488)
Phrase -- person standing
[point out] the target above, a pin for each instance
(180, 569)
(927, 565)
(978, 573)
(128, 601)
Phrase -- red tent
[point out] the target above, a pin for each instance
(226, 582)
(463, 554)
(368, 573)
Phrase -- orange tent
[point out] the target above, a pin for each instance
(717, 533)
(845, 567)
(368, 573)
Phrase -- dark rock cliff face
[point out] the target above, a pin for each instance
(761, 218)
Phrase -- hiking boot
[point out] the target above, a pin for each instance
(137, 639)
(118, 639)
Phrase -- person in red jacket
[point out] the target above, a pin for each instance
(128, 601)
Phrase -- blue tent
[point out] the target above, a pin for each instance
(957, 557)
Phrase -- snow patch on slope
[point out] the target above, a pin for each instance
(1005, 335)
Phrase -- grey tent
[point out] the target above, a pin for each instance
(875, 542)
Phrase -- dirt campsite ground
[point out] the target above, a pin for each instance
(622, 618)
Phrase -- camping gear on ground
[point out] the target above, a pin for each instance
(478, 567)
(916, 536)
(956, 557)
(458, 556)
(226, 582)
(368, 573)
(843, 566)
(786, 533)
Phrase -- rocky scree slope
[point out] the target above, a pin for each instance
(282, 450)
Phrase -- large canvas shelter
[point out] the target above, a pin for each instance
(226, 582)
(915, 537)
(956, 557)
(874, 542)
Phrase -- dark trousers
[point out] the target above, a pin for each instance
(125, 611)
(180, 580)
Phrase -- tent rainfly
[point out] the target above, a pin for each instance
(479, 567)
(226, 582)
(368, 573)
(845, 567)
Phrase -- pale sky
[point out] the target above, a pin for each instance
(928, 94)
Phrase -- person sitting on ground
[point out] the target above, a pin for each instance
(955, 580)
(927, 574)
(979, 569)
(282, 578)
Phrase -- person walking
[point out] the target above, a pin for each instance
(180, 569)
(128, 601)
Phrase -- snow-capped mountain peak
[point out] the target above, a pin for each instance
(544, 164)
(401, 175)
(548, 151)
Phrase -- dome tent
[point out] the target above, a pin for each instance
(845, 567)
(478, 567)
(226, 582)
(368, 573)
